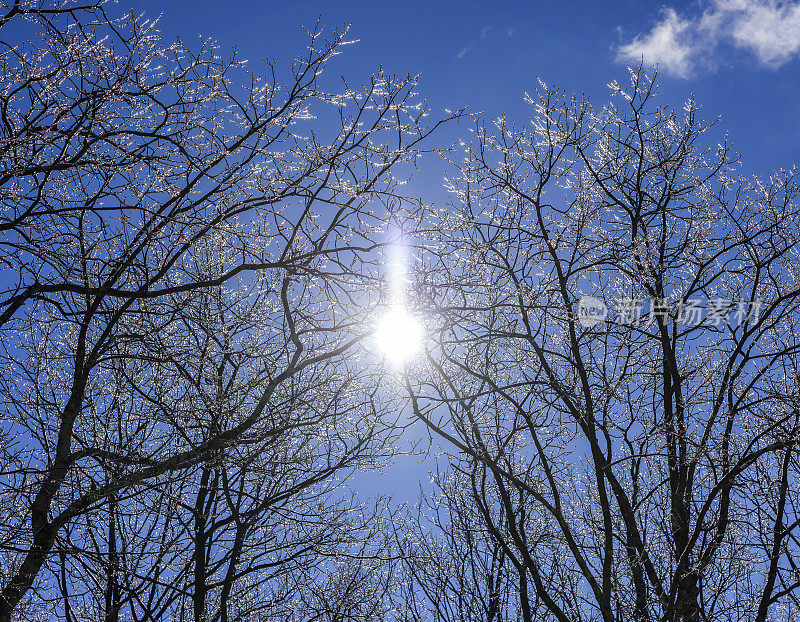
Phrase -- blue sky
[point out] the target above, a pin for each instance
(740, 58)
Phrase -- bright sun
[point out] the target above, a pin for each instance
(399, 335)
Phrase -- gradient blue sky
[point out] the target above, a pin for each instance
(738, 57)
(486, 54)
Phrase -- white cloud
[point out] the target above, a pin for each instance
(468, 48)
(669, 44)
(769, 29)
(465, 50)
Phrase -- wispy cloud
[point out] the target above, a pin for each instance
(468, 48)
(669, 44)
(769, 29)
(465, 50)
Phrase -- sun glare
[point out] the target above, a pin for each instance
(399, 336)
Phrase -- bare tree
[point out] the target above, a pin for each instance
(645, 466)
(224, 540)
(126, 158)
(453, 570)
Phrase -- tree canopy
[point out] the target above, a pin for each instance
(598, 332)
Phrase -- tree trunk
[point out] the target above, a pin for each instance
(112, 585)
(200, 588)
(42, 530)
